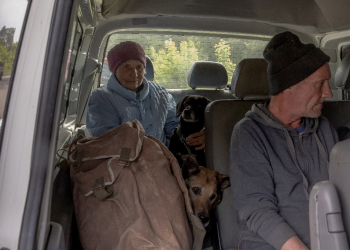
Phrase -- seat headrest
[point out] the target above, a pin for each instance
(149, 69)
(342, 79)
(207, 75)
(250, 81)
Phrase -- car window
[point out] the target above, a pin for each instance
(345, 50)
(172, 55)
(71, 92)
(11, 20)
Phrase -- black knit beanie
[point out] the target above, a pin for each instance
(290, 61)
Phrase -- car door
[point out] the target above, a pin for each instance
(30, 123)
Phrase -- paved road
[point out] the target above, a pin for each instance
(4, 84)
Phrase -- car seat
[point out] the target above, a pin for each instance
(149, 75)
(211, 79)
(250, 85)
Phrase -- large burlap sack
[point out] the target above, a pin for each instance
(128, 193)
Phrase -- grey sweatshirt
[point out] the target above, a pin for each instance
(272, 171)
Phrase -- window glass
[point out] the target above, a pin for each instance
(173, 55)
(344, 51)
(69, 74)
(11, 20)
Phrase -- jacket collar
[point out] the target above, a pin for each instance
(114, 86)
(260, 113)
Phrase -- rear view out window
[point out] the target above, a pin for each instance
(173, 55)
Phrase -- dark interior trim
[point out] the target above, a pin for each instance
(45, 122)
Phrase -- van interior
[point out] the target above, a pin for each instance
(193, 47)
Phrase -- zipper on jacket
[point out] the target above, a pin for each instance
(302, 152)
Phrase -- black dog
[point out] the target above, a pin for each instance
(191, 111)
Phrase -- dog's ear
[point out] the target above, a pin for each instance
(224, 181)
(190, 166)
(179, 106)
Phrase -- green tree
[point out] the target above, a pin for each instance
(7, 56)
(171, 64)
(223, 53)
(6, 35)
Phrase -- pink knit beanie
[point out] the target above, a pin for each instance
(123, 52)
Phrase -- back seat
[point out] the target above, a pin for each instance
(149, 75)
(249, 85)
(205, 74)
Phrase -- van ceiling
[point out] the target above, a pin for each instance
(306, 16)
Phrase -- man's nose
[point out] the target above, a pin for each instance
(326, 91)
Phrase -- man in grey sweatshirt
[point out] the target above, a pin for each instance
(281, 148)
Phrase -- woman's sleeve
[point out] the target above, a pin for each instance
(171, 120)
(101, 116)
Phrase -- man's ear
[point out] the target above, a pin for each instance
(179, 106)
(224, 181)
(189, 167)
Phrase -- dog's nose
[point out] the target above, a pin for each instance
(204, 218)
(187, 111)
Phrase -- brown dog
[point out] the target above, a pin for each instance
(205, 187)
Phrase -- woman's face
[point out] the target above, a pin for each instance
(130, 74)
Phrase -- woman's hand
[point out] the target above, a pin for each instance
(197, 139)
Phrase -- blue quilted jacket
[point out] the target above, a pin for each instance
(112, 105)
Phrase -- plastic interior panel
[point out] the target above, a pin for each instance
(326, 224)
(56, 240)
(339, 172)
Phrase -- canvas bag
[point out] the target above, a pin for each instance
(128, 193)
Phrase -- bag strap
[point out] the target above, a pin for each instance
(101, 191)
(198, 230)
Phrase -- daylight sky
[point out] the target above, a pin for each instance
(12, 14)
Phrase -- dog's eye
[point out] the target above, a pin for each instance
(212, 198)
(196, 190)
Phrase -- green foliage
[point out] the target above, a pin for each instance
(173, 55)
(7, 56)
(171, 64)
(223, 53)
(7, 35)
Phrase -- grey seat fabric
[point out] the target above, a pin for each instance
(250, 81)
(220, 118)
(209, 75)
(149, 75)
(210, 94)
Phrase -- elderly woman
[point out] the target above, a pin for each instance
(129, 96)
